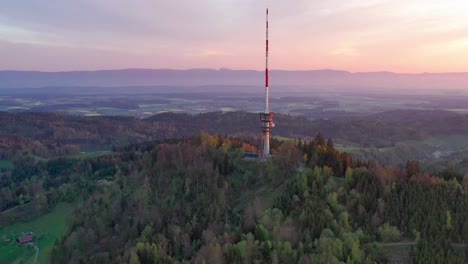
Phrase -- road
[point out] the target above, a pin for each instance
(407, 243)
(398, 243)
(37, 251)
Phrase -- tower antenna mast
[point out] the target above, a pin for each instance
(267, 77)
(266, 117)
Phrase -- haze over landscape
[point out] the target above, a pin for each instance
(342, 80)
(130, 131)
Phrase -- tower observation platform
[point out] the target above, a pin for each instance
(267, 124)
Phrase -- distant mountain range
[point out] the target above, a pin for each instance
(201, 77)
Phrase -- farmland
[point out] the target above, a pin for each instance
(147, 101)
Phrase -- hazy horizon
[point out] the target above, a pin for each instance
(383, 81)
(232, 69)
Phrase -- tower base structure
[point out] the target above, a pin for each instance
(267, 124)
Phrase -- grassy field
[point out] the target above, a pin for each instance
(6, 165)
(284, 138)
(397, 252)
(400, 252)
(47, 228)
(459, 248)
(429, 152)
(347, 148)
(94, 154)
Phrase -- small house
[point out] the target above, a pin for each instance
(251, 155)
(25, 239)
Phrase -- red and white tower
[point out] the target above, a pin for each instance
(266, 117)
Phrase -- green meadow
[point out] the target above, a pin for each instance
(6, 165)
(46, 228)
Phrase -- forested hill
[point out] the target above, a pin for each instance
(197, 201)
(377, 130)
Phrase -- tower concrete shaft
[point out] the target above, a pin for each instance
(267, 125)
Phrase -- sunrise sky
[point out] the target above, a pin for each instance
(356, 35)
